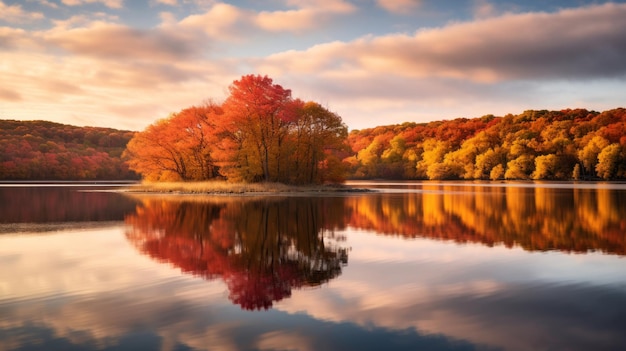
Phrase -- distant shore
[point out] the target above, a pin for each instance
(227, 188)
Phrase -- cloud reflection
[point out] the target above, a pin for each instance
(472, 288)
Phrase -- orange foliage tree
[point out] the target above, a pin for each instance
(260, 133)
(259, 116)
(177, 148)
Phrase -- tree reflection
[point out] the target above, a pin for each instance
(61, 204)
(261, 248)
(536, 219)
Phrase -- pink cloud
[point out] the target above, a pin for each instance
(16, 14)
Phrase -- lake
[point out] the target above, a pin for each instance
(412, 265)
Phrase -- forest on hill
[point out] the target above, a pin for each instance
(42, 150)
(552, 145)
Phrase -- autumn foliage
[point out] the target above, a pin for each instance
(551, 145)
(259, 133)
(177, 148)
(41, 150)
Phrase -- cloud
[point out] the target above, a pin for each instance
(221, 21)
(49, 4)
(307, 15)
(497, 64)
(331, 6)
(81, 63)
(167, 2)
(228, 21)
(570, 44)
(282, 340)
(114, 4)
(287, 20)
(9, 95)
(168, 19)
(82, 20)
(483, 9)
(16, 14)
(119, 42)
(399, 6)
(13, 38)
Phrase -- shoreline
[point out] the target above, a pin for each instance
(225, 188)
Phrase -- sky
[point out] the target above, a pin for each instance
(127, 63)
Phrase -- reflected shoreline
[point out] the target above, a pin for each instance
(576, 220)
(262, 247)
(183, 272)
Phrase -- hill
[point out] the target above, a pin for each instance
(41, 150)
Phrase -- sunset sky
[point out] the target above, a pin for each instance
(125, 64)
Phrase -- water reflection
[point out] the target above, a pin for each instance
(90, 289)
(56, 204)
(44, 208)
(264, 248)
(536, 219)
(261, 248)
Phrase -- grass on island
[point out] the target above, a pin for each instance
(224, 187)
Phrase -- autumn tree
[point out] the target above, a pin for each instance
(177, 148)
(608, 161)
(266, 135)
(258, 117)
(431, 164)
(260, 133)
(520, 167)
(545, 167)
(317, 137)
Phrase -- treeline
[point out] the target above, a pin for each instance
(553, 145)
(259, 133)
(41, 150)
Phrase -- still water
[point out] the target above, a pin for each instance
(428, 266)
